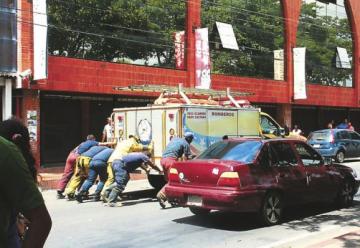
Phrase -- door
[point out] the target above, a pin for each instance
(343, 139)
(289, 174)
(355, 143)
(318, 179)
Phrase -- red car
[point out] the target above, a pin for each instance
(264, 176)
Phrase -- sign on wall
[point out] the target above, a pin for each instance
(40, 39)
(299, 73)
(180, 50)
(202, 59)
(32, 124)
(227, 36)
(279, 64)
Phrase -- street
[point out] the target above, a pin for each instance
(141, 223)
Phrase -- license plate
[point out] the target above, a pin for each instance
(316, 145)
(194, 200)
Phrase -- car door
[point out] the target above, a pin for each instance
(355, 141)
(289, 174)
(343, 139)
(318, 179)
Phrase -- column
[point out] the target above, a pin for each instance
(284, 115)
(6, 98)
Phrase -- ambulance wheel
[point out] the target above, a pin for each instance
(156, 181)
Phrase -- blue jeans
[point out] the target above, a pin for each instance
(96, 168)
(121, 174)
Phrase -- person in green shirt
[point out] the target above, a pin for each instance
(19, 193)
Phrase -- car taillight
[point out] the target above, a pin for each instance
(332, 140)
(174, 175)
(229, 179)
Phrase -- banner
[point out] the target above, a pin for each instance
(279, 64)
(202, 59)
(180, 50)
(40, 39)
(227, 36)
(299, 73)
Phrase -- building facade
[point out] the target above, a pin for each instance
(80, 93)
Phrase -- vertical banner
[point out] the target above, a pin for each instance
(202, 59)
(279, 64)
(299, 73)
(32, 124)
(179, 38)
(40, 39)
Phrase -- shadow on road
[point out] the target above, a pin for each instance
(137, 197)
(307, 218)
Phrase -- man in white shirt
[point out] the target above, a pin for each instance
(296, 130)
(108, 134)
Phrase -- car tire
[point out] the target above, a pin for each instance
(271, 209)
(199, 211)
(156, 181)
(345, 197)
(340, 156)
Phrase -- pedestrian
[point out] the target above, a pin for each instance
(97, 167)
(296, 130)
(225, 137)
(351, 127)
(176, 149)
(18, 190)
(70, 164)
(329, 125)
(122, 167)
(122, 148)
(108, 131)
(343, 125)
(81, 170)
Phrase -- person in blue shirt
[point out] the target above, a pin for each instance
(81, 170)
(122, 167)
(98, 166)
(343, 125)
(176, 149)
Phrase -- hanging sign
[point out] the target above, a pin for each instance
(299, 73)
(202, 59)
(180, 50)
(227, 36)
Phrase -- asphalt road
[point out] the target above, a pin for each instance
(141, 223)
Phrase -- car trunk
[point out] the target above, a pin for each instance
(202, 172)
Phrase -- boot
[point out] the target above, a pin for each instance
(115, 192)
(161, 198)
(59, 194)
(97, 197)
(80, 196)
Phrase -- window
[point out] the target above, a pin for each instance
(307, 155)
(281, 154)
(354, 136)
(343, 135)
(264, 158)
(129, 31)
(259, 31)
(324, 30)
(267, 125)
(244, 152)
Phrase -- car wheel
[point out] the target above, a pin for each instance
(345, 196)
(271, 209)
(340, 157)
(199, 211)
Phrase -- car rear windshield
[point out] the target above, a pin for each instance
(320, 136)
(244, 151)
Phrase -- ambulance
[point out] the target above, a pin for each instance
(174, 113)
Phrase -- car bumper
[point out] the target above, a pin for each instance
(216, 199)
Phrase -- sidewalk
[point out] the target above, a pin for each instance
(331, 238)
(48, 178)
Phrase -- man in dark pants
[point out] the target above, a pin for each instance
(98, 166)
(122, 168)
(176, 149)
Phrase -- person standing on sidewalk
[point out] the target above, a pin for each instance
(176, 149)
(70, 164)
(122, 167)
(108, 132)
(97, 167)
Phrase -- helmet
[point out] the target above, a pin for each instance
(189, 135)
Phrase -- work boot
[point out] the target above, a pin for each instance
(59, 195)
(80, 196)
(161, 197)
(97, 197)
(115, 192)
(70, 197)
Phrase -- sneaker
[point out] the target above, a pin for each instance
(161, 202)
(113, 204)
(60, 195)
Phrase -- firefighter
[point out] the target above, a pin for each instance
(176, 149)
(121, 149)
(81, 170)
(122, 167)
(97, 167)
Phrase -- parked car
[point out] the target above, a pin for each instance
(336, 143)
(263, 176)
